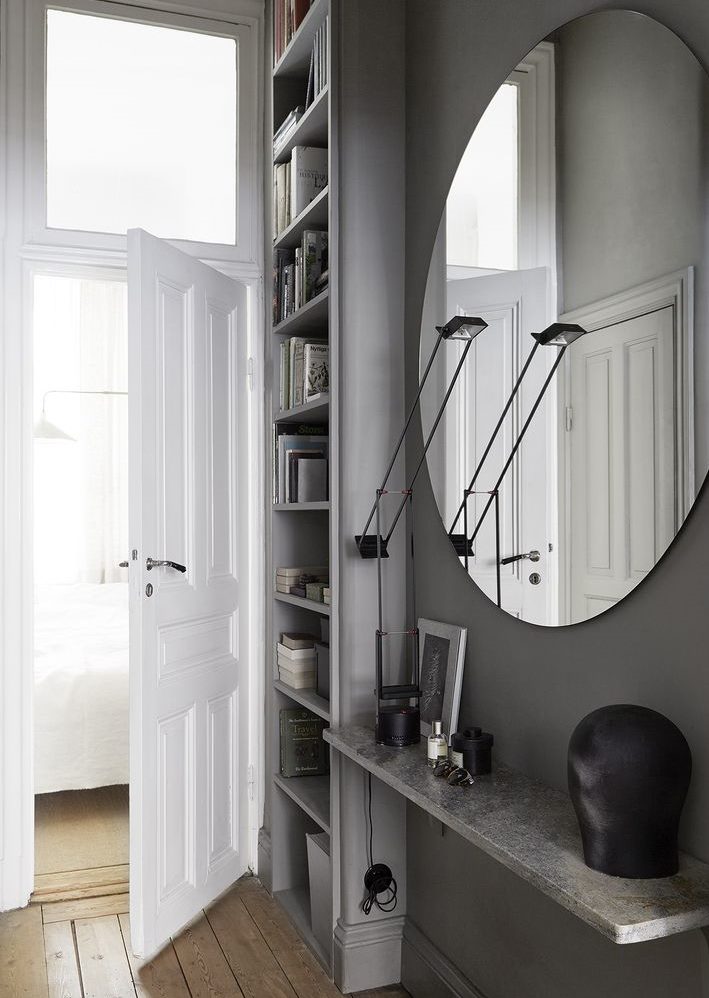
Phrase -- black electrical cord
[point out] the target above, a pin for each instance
(378, 879)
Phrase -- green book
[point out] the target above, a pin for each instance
(303, 750)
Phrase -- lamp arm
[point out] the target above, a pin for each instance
(518, 441)
(493, 437)
(437, 420)
(434, 351)
(77, 391)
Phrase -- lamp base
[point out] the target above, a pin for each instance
(398, 726)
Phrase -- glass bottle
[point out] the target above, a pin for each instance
(437, 749)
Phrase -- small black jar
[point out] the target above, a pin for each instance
(472, 749)
(629, 771)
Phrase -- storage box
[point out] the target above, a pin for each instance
(323, 674)
(297, 681)
(320, 889)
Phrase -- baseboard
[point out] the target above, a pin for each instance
(265, 860)
(368, 954)
(427, 973)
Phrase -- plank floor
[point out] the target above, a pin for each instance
(243, 946)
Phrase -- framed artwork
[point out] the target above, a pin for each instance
(441, 660)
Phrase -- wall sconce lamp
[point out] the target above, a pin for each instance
(558, 334)
(397, 721)
(45, 429)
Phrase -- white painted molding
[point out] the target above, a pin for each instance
(426, 971)
(368, 954)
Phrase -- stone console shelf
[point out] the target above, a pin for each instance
(532, 830)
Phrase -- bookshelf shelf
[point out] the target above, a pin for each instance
(300, 507)
(296, 58)
(311, 130)
(317, 409)
(306, 604)
(309, 316)
(311, 793)
(306, 698)
(313, 217)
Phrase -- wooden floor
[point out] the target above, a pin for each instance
(243, 946)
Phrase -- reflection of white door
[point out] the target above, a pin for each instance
(622, 497)
(188, 738)
(514, 305)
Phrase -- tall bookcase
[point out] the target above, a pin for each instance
(303, 533)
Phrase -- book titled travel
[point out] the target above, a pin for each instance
(303, 750)
(316, 370)
(308, 176)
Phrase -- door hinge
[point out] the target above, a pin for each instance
(569, 418)
(250, 372)
(251, 782)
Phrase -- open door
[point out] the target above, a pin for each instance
(188, 671)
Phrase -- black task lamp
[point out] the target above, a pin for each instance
(397, 722)
(559, 334)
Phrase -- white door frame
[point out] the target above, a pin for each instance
(19, 259)
(675, 290)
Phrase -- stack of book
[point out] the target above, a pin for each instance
(296, 183)
(300, 463)
(287, 17)
(326, 595)
(319, 73)
(285, 129)
(289, 579)
(297, 667)
(304, 371)
(300, 274)
(303, 749)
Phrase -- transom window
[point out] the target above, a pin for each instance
(141, 129)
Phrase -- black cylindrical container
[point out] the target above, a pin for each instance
(472, 749)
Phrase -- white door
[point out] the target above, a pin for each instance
(514, 305)
(188, 671)
(623, 483)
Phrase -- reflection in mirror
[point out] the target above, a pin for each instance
(580, 200)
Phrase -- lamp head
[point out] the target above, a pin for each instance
(46, 430)
(462, 327)
(559, 334)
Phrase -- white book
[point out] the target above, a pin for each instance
(296, 654)
(308, 176)
(316, 370)
(306, 682)
(297, 668)
(296, 571)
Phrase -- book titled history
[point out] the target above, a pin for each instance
(303, 750)
(308, 176)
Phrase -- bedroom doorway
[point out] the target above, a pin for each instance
(81, 730)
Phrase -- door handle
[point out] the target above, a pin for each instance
(532, 555)
(151, 563)
(123, 564)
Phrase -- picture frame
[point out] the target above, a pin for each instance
(441, 662)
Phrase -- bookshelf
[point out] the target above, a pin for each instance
(298, 806)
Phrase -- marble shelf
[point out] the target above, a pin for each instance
(531, 829)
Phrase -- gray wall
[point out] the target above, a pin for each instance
(531, 685)
(632, 134)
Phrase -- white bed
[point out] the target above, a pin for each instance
(81, 686)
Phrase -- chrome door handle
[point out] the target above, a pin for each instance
(123, 564)
(532, 555)
(151, 563)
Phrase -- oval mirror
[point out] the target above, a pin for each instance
(574, 440)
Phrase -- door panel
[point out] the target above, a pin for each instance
(189, 811)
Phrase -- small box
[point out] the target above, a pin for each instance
(320, 878)
(323, 672)
(314, 591)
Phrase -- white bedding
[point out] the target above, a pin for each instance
(81, 686)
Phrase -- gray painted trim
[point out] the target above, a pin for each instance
(426, 972)
(264, 870)
(368, 954)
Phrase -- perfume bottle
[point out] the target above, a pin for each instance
(437, 745)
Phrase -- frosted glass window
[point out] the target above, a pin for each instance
(141, 129)
(481, 211)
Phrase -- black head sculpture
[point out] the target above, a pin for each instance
(629, 769)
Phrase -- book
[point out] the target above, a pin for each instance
(298, 639)
(287, 126)
(289, 442)
(296, 571)
(296, 654)
(282, 182)
(314, 260)
(306, 681)
(308, 176)
(316, 370)
(304, 668)
(303, 751)
(292, 430)
(284, 377)
(308, 477)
